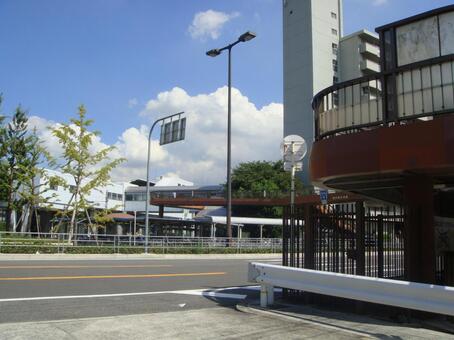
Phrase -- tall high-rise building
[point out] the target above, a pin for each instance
(312, 30)
(359, 55)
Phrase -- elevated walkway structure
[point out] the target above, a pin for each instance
(283, 200)
(389, 136)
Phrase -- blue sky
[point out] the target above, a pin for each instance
(117, 55)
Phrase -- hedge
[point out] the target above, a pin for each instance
(54, 249)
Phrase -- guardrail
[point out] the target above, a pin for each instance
(412, 295)
(84, 243)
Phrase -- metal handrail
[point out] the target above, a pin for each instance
(423, 89)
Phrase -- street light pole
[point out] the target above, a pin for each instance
(229, 149)
(214, 53)
(147, 202)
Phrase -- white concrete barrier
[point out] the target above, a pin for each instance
(418, 296)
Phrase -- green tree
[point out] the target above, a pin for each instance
(33, 193)
(262, 179)
(88, 169)
(14, 150)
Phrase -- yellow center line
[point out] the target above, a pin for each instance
(87, 266)
(126, 276)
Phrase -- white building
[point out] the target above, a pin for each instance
(359, 55)
(317, 56)
(136, 194)
(110, 196)
(312, 30)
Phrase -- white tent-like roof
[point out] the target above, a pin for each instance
(246, 220)
(218, 215)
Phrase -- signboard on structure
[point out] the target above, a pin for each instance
(324, 196)
(293, 150)
(173, 131)
(288, 166)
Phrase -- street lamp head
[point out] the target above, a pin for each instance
(214, 52)
(247, 36)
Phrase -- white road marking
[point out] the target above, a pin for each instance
(198, 292)
(215, 294)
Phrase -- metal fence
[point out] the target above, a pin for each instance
(345, 238)
(101, 243)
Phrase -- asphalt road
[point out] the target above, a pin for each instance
(55, 290)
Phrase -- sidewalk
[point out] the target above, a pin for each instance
(367, 326)
(45, 257)
(216, 323)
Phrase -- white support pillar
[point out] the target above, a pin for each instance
(266, 295)
(135, 226)
(261, 232)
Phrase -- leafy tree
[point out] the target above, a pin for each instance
(14, 151)
(88, 169)
(32, 193)
(262, 179)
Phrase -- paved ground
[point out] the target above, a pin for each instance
(212, 323)
(93, 288)
(143, 297)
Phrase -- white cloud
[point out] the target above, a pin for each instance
(209, 24)
(132, 102)
(201, 158)
(379, 2)
(132, 145)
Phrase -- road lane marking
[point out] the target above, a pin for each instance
(198, 292)
(87, 266)
(125, 276)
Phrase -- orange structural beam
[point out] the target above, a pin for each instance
(308, 199)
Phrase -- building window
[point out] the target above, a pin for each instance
(335, 80)
(334, 65)
(136, 196)
(53, 186)
(334, 47)
(114, 196)
(333, 15)
(333, 31)
(72, 189)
